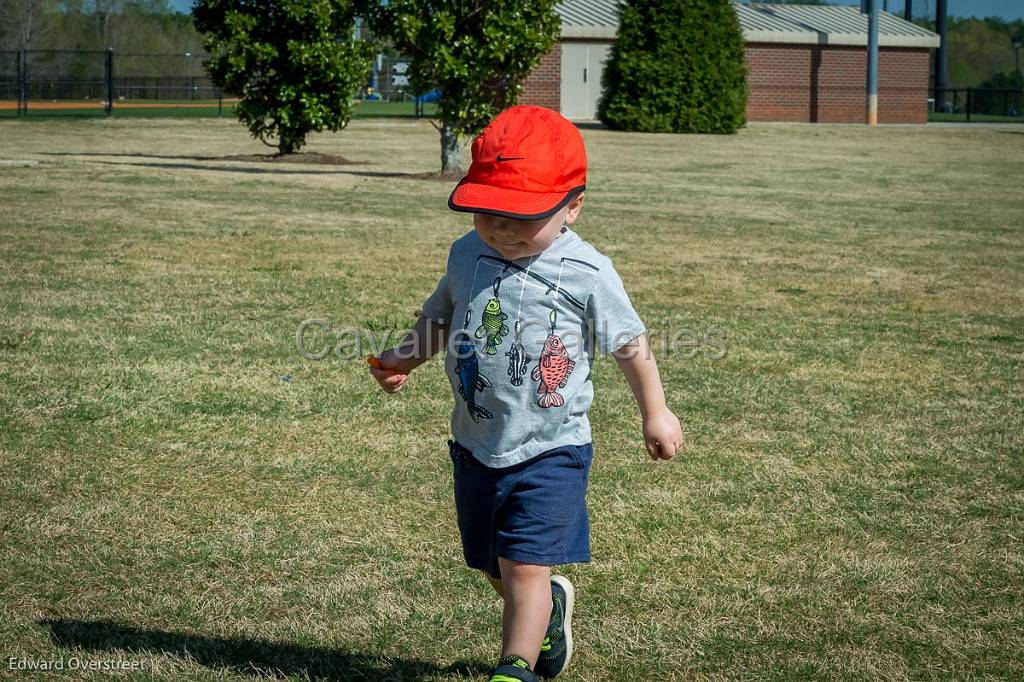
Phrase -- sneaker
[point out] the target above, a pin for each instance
(556, 650)
(513, 669)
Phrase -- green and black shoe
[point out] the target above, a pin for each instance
(556, 650)
(513, 669)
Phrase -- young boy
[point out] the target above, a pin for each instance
(520, 308)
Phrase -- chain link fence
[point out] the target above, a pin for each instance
(977, 105)
(162, 77)
(98, 82)
(80, 82)
(10, 80)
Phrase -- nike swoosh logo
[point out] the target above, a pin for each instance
(510, 158)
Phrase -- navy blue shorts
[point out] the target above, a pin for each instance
(534, 512)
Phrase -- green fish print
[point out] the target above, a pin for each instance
(492, 322)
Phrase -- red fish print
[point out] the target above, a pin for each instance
(553, 370)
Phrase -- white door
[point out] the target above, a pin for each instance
(582, 66)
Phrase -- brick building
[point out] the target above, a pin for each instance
(805, 63)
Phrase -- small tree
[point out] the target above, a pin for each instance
(677, 66)
(23, 23)
(295, 64)
(476, 52)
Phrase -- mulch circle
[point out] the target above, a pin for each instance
(436, 175)
(298, 157)
(315, 158)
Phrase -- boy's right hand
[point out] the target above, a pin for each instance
(389, 379)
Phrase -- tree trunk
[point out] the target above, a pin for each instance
(285, 146)
(451, 151)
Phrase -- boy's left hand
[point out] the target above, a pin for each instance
(663, 436)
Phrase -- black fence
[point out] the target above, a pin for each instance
(98, 81)
(977, 105)
(77, 82)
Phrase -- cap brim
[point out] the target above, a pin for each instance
(471, 197)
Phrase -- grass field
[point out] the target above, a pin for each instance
(939, 117)
(183, 489)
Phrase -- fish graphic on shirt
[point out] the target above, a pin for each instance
(492, 325)
(552, 370)
(518, 359)
(467, 370)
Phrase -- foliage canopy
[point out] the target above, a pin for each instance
(476, 53)
(981, 48)
(295, 64)
(677, 66)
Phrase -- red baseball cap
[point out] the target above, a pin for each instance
(527, 164)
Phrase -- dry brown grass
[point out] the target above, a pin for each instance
(850, 503)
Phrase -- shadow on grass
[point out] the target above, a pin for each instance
(44, 114)
(336, 170)
(299, 158)
(278, 170)
(250, 656)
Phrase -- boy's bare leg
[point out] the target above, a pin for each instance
(527, 593)
(495, 583)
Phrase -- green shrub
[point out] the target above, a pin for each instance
(476, 52)
(677, 66)
(294, 64)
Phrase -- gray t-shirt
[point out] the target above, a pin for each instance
(521, 343)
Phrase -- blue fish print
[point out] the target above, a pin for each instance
(467, 369)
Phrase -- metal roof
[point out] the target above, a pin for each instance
(762, 23)
(589, 18)
(827, 26)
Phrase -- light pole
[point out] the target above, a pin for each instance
(872, 63)
(940, 56)
(1018, 43)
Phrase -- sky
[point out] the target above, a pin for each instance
(1007, 9)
